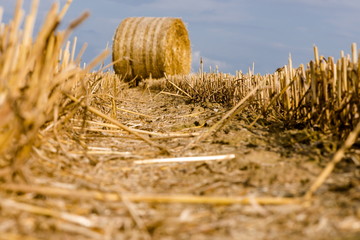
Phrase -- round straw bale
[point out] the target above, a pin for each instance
(151, 46)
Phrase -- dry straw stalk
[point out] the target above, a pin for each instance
(151, 47)
(150, 198)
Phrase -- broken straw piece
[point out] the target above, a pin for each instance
(186, 159)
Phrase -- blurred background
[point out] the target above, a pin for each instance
(230, 34)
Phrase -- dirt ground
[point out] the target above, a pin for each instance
(270, 161)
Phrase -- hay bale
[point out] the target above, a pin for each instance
(150, 46)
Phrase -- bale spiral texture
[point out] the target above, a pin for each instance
(151, 46)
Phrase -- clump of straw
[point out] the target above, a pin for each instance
(34, 74)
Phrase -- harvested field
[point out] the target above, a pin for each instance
(201, 156)
(88, 184)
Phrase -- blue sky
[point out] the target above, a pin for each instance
(231, 34)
